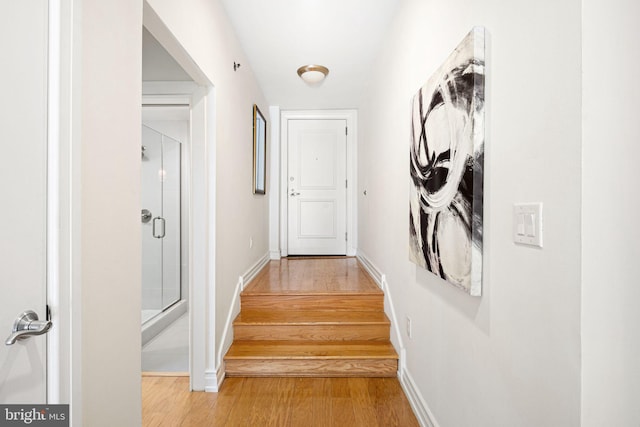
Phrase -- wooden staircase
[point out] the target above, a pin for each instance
(312, 332)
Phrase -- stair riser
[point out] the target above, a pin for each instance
(312, 332)
(312, 368)
(313, 302)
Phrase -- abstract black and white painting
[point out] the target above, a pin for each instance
(446, 168)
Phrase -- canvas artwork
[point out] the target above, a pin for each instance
(446, 168)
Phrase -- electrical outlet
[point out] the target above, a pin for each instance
(409, 327)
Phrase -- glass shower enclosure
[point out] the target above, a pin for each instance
(160, 218)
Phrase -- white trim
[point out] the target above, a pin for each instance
(55, 340)
(210, 128)
(167, 88)
(202, 188)
(214, 379)
(274, 183)
(275, 255)
(211, 382)
(226, 338)
(420, 408)
(202, 244)
(371, 269)
(254, 270)
(351, 117)
(389, 308)
(64, 350)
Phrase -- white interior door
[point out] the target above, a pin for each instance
(23, 190)
(317, 181)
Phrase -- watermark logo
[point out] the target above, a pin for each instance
(34, 415)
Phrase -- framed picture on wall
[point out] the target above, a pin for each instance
(259, 151)
(446, 168)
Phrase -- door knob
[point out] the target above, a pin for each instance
(26, 325)
(146, 216)
(294, 193)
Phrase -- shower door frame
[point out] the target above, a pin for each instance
(182, 217)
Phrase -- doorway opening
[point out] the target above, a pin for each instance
(172, 80)
(165, 294)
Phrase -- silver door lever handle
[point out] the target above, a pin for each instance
(294, 193)
(26, 325)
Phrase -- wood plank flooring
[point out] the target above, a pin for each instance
(277, 402)
(312, 317)
(313, 276)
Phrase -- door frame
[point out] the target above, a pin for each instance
(351, 117)
(202, 200)
(63, 209)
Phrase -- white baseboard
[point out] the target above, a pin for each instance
(275, 255)
(371, 269)
(253, 271)
(234, 308)
(227, 336)
(213, 379)
(211, 382)
(380, 278)
(420, 408)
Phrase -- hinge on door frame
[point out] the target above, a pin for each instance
(345, 236)
(346, 130)
(346, 183)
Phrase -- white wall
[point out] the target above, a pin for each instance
(203, 30)
(610, 235)
(157, 64)
(109, 91)
(511, 357)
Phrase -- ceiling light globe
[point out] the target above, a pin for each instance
(312, 77)
(313, 74)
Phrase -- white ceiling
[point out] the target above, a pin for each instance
(278, 36)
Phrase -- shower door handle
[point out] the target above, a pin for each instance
(162, 222)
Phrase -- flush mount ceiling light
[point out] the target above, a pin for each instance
(313, 74)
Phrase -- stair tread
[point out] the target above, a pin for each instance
(296, 292)
(311, 350)
(302, 318)
(312, 302)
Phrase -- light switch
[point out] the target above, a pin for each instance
(529, 227)
(520, 221)
(527, 224)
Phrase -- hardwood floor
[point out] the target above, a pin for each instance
(311, 349)
(278, 402)
(312, 317)
(312, 276)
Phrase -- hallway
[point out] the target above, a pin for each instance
(552, 340)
